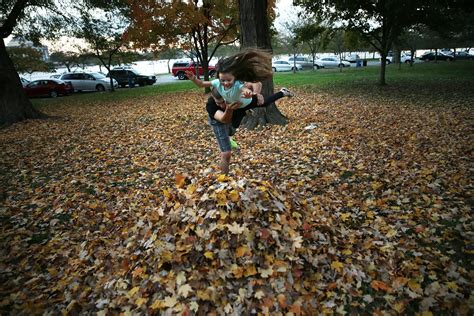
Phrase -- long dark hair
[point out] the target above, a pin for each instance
(249, 65)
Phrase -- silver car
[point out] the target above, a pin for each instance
(94, 81)
(331, 62)
(283, 65)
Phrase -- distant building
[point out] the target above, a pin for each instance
(21, 42)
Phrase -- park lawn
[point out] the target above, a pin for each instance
(361, 204)
(349, 80)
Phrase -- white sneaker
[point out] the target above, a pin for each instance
(287, 93)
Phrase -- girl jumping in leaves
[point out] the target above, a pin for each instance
(236, 90)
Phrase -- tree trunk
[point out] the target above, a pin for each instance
(254, 32)
(14, 104)
(383, 66)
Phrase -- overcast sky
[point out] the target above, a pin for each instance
(286, 12)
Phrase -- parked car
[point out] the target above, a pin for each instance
(464, 56)
(48, 87)
(331, 62)
(283, 65)
(122, 76)
(404, 58)
(446, 51)
(179, 69)
(304, 62)
(432, 56)
(94, 81)
(24, 82)
(55, 76)
(352, 58)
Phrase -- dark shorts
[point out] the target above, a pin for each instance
(221, 131)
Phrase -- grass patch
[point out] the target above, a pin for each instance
(117, 95)
(364, 76)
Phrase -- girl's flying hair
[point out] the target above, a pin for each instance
(216, 93)
(249, 65)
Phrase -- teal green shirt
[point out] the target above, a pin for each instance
(233, 94)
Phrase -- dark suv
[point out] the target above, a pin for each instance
(179, 70)
(122, 76)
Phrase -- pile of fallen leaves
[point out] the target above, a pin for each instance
(358, 205)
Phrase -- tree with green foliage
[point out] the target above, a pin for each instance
(66, 59)
(22, 18)
(102, 26)
(291, 41)
(27, 59)
(314, 35)
(379, 22)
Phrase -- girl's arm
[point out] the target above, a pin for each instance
(226, 116)
(256, 87)
(198, 82)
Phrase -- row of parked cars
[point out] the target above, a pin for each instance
(70, 82)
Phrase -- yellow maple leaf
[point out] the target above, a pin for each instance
(170, 301)
(414, 286)
(399, 307)
(194, 306)
(157, 304)
(180, 278)
(133, 291)
(209, 255)
(452, 285)
(222, 178)
(141, 301)
(203, 295)
(336, 265)
(265, 273)
(237, 271)
(191, 188)
(184, 290)
(235, 228)
(347, 252)
(241, 251)
(345, 216)
(234, 195)
(376, 185)
(251, 270)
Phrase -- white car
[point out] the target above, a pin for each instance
(331, 62)
(404, 58)
(24, 82)
(94, 81)
(352, 58)
(282, 65)
(301, 61)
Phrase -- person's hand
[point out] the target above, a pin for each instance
(246, 94)
(260, 99)
(190, 75)
(234, 106)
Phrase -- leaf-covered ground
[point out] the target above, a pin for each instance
(360, 205)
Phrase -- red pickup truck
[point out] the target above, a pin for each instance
(179, 69)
